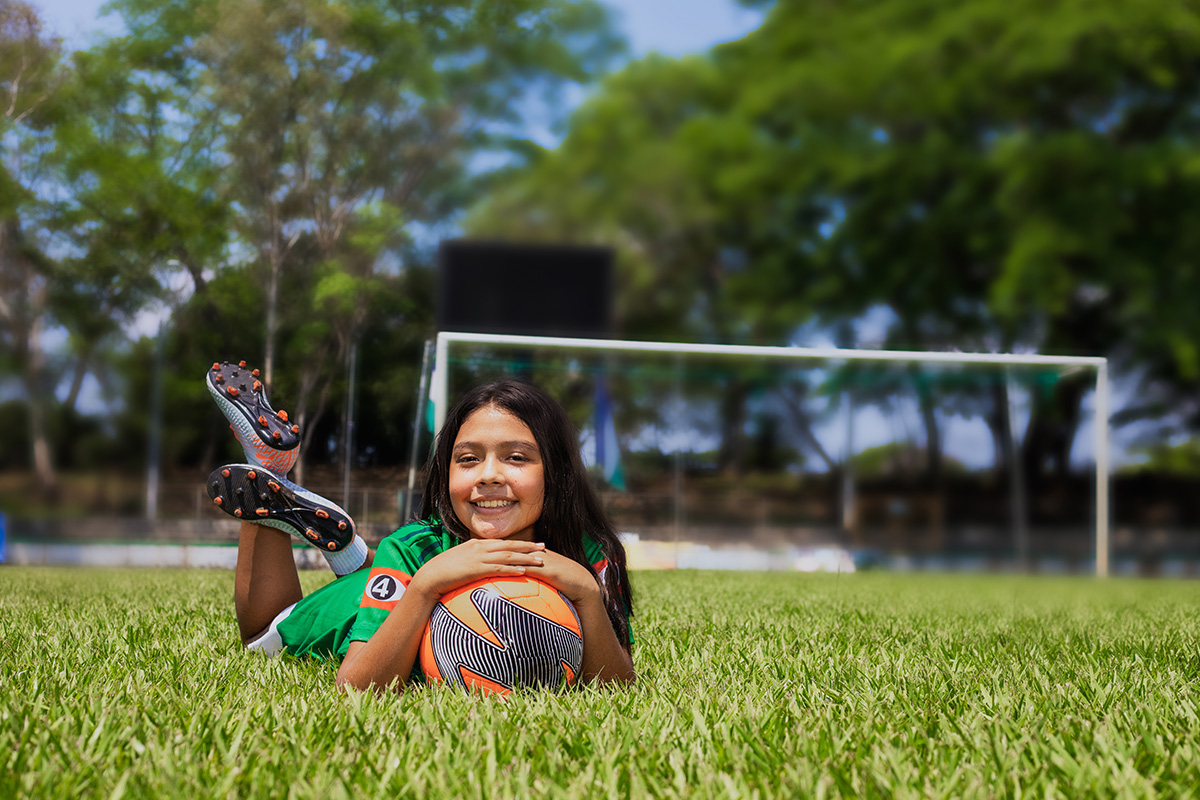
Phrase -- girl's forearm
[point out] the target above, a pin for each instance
(390, 653)
(604, 657)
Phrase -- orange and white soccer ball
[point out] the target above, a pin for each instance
(498, 634)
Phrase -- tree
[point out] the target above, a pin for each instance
(29, 79)
(339, 127)
(144, 199)
(1000, 175)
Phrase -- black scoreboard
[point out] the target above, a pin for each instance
(529, 289)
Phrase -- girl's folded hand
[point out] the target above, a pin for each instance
(571, 578)
(476, 559)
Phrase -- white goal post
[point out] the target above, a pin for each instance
(438, 389)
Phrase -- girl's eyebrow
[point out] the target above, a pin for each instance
(514, 445)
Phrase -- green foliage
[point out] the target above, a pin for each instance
(131, 682)
(1164, 458)
(1000, 175)
(335, 126)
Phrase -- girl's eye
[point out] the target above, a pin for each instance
(465, 460)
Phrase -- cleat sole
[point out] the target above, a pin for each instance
(267, 437)
(278, 503)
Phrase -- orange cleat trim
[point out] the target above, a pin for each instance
(295, 429)
(262, 420)
(254, 373)
(216, 365)
(224, 473)
(232, 391)
(241, 363)
(262, 512)
(274, 486)
(341, 526)
(257, 385)
(322, 513)
(237, 512)
(218, 500)
(251, 475)
(276, 435)
(282, 415)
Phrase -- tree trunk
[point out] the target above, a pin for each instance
(35, 380)
(272, 320)
(733, 424)
(1053, 422)
(933, 436)
(82, 362)
(803, 423)
(23, 309)
(999, 421)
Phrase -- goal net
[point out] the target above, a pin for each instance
(811, 458)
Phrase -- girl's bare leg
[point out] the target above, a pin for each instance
(266, 581)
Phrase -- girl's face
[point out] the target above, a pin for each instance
(496, 480)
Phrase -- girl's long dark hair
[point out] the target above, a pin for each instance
(570, 507)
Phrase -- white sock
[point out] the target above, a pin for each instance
(348, 559)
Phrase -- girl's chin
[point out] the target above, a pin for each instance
(487, 532)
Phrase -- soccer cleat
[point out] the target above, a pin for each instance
(267, 437)
(251, 493)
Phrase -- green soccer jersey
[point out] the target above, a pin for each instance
(351, 608)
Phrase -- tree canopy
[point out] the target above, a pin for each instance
(999, 175)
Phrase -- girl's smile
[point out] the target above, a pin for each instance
(496, 476)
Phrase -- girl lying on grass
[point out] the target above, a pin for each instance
(506, 494)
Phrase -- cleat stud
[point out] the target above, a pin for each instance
(274, 486)
(331, 545)
(282, 415)
(322, 513)
(218, 500)
(234, 373)
(219, 379)
(232, 391)
(251, 474)
(341, 526)
(262, 421)
(257, 385)
(254, 373)
(262, 512)
(241, 363)
(237, 512)
(224, 473)
(310, 533)
(295, 429)
(216, 365)
(276, 435)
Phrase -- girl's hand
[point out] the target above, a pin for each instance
(604, 657)
(475, 559)
(571, 578)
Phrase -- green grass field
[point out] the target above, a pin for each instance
(129, 683)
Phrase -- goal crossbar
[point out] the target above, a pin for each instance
(439, 385)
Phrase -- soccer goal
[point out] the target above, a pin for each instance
(899, 454)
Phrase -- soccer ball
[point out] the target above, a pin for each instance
(497, 634)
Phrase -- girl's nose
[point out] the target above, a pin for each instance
(490, 473)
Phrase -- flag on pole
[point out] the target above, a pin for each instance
(608, 452)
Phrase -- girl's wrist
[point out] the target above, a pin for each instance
(589, 596)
